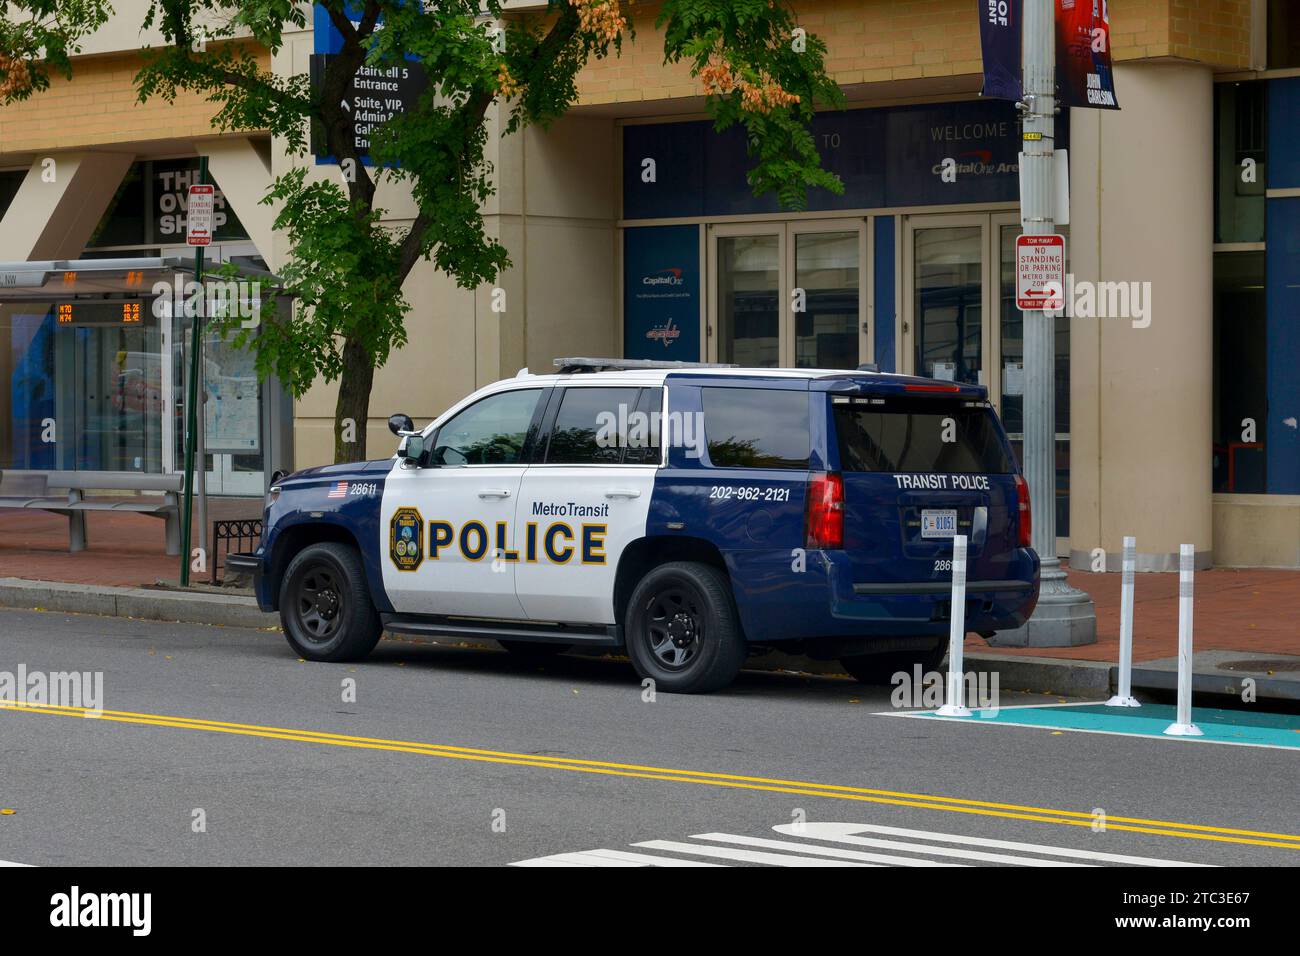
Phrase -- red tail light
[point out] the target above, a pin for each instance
(824, 527)
(1022, 501)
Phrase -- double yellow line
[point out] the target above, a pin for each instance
(1010, 811)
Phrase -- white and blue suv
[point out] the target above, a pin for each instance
(687, 514)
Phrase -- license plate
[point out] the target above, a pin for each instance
(938, 522)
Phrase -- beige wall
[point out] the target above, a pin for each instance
(1141, 397)
(1257, 531)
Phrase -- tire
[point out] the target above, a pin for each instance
(534, 651)
(880, 668)
(325, 605)
(682, 630)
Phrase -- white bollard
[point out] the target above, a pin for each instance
(953, 706)
(1183, 726)
(1125, 698)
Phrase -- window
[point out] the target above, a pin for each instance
(756, 427)
(492, 431)
(595, 426)
(1240, 155)
(1283, 34)
(10, 183)
(919, 435)
(1240, 373)
(648, 407)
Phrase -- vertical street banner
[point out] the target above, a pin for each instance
(1083, 70)
(1000, 44)
(1084, 75)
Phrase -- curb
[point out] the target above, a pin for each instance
(1033, 674)
(147, 604)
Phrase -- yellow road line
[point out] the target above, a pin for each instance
(709, 778)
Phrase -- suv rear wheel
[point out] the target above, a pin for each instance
(682, 630)
(880, 668)
(325, 605)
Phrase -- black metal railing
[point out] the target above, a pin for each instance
(239, 536)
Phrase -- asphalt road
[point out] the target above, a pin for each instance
(454, 755)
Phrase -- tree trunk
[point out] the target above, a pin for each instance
(353, 408)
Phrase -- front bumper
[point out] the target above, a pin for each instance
(252, 564)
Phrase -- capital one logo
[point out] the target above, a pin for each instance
(669, 276)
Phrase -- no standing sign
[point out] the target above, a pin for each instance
(1040, 273)
(198, 215)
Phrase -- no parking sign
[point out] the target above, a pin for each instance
(1040, 272)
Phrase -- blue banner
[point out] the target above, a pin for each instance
(661, 293)
(1000, 44)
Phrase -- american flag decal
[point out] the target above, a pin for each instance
(340, 490)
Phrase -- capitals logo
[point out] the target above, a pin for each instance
(667, 333)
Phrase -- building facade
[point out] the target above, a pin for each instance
(632, 231)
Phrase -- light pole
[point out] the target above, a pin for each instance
(1065, 616)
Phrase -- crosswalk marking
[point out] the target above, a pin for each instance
(746, 856)
(838, 844)
(844, 833)
(821, 850)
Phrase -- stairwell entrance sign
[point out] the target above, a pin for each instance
(1040, 273)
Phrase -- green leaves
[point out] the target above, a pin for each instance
(344, 282)
(760, 72)
(39, 37)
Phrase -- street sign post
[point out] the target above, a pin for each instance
(198, 233)
(1040, 273)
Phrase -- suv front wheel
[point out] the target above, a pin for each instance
(325, 605)
(682, 631)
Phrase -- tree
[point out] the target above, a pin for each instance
(756, 67)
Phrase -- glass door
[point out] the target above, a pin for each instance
(745, 311)
(828, 327)
(944, 332)
(788, 294)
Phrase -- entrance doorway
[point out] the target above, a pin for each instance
(789, 294)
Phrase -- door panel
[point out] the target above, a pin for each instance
(586, 500)
(827, 269)
(948, 302)
(749, 300)
(447, 529)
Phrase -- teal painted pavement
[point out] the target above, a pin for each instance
(1149, 720)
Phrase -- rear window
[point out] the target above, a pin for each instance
(756, 427)
(919, 435)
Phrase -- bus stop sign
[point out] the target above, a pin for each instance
(1040, 273)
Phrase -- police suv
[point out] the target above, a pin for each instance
(685, 513)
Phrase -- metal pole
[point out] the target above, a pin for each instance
(1064, 615)
(1124, 697)
(953, 706)
(191, 403)
(1183, 726)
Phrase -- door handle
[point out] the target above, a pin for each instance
(494, 493)
(623, 493)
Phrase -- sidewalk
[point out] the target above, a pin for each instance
(1253, 613)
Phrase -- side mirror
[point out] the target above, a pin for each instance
(411, 449)
(399, 423)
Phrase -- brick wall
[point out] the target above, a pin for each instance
(873, 41)
(98, 107)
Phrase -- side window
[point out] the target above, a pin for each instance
(643, 437)
(593, 426)
(489, 432)
(756, 427)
